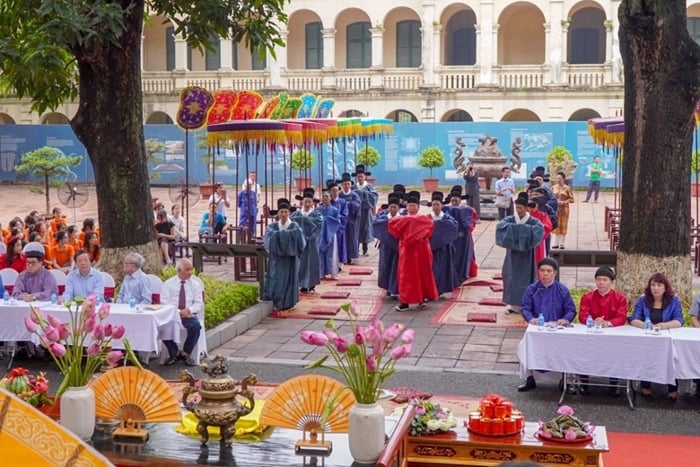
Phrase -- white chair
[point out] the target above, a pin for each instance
(61, 280)
(109, 285)
(9, 276)
(156, 287)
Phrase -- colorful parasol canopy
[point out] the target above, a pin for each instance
(608, 131)
(312, 132)
(260, 131)
(371, 127)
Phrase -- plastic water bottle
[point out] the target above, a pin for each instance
(540, 322)
(6, 298)
(647, 325)
(590, 324)
(132, 303)
(54, 299)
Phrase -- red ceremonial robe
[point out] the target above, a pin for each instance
(541, 250)
(416, 281)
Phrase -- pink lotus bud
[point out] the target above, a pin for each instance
(378, 325)
(53, 321)
(391, 334)
(108, 330)
(89, 324)
(354, 308)
(314, 338)
(420, 410)
(372, 335)
(114, 356)
(371, 363)
(341, 343)
(63, 332)
(37, 316)
(57, 349)
(359, 336)
(93, 349)
(565, 410)
(570, 435)
(407, 336)
(118, 332)
(331, 334)
(51, 334)
(401, 351)
(98, 333)
(103, 312)
(90, 300)
(30, 324)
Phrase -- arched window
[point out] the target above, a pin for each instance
(314, 46)
(359, 45)
(408, 44)
(170, 50)
(212, 58)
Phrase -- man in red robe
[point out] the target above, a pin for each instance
(416, 280)
(534, 211)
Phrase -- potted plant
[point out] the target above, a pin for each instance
(368, 156)
(432, 157)
(560, 159)
(302, 160)
(209, 158)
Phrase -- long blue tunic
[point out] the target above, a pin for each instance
(519, 268)
(247, 209)
(328, 241)
(342, 207)
(309, 267)
(351, 228)
(442, 244)
(284, 248)
(368, 203)
(464, 244)
(388, 276)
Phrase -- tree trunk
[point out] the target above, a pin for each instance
(109, 122)
(46, 194)
(661, 88)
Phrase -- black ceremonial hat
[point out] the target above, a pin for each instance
(413, 197)
(360, 169)
(437, 196)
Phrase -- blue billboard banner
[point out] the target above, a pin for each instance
(172, 150)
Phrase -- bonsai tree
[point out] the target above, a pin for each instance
(431, 158)
(153, 147)
(302, 160)
(47, 162)
(368, 156)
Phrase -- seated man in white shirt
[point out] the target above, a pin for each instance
(135, 283)
(185, 293)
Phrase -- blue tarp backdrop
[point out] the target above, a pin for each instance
(399, 162)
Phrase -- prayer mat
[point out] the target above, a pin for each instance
(482, 316)
(456, 313)
(475, 282)
(473, 294)
(491, 301)
(404, 394)
(498, 276)
(496, 287)
(324, 310)
(335, 294)
(315, 307)
(361, 271)
(351, 282)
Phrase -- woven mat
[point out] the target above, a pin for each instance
(361, 271)
(350, 282)
(335, 294)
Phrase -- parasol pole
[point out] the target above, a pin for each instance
(187, 182)
(320, 167)
(267, 187)
(697, 179)
(247, 193)
(345, 154)
(333, 158)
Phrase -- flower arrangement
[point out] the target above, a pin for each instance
(431, 418)
(565, 426)
(81, 347)
(32, 389)
(367, 357)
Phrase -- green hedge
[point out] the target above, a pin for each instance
(223, 299)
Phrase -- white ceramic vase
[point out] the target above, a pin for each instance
(366, 432)
(78, 411)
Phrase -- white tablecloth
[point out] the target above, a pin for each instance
(143, 329)
(686, 344)
(623, 352)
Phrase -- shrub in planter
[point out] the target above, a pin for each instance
(368, 156)
(302, 160)
(431, 158)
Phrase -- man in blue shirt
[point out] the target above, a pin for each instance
(549, 298)
(135, 283)
(84, 280)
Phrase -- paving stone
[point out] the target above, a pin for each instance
(479, 356)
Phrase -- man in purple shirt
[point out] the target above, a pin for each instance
(35, 282)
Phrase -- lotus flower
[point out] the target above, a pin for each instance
(341, 343)
(103, 312)
(53, 321)
(93, 349)
(57, 349)
(407, 336)
(565, 410)
(98, 333)
(118, 332)
(108, 330)
(401, 351)
(371, 362)
(30, 324)
(314, 338)
(570, 435)
(52, 334)
(391, 334)
(89, 324)
(114, 356)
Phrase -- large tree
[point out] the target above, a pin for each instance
(54, 51)
(662, 86)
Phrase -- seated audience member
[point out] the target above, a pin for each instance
(13, 257)
(608, 308)
(73, 240)
(88, 226)
(179, 223)
(550, 298)
(57, 219)
(35, 282)
(135, 283)
(663, 308)
(165, 236)
(695, 321)
(212, 222)
(92, 246)
(61, 255)
(84, 280)
(185, 293)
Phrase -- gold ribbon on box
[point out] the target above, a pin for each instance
(247, 427)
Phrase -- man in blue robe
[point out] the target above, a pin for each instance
(352, 199)
(311, 222)
(342, 207)
(284, 243)
(464, 243)
(247, 209)
(328, 240)
(442, 245)
(519, 234)
(368, 207)
(388, 278)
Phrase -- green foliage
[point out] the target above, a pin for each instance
(43, 42)
(431, 157)
(47, 162)
(368, 156)
(302, 159)
(557, 155)
(695, 162)
(223, 299)
(560, 159)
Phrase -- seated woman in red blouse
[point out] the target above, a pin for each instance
(14, 258)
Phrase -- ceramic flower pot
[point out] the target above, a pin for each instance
(366, 432)
(78, 411)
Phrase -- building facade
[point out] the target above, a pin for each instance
(408, 60)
